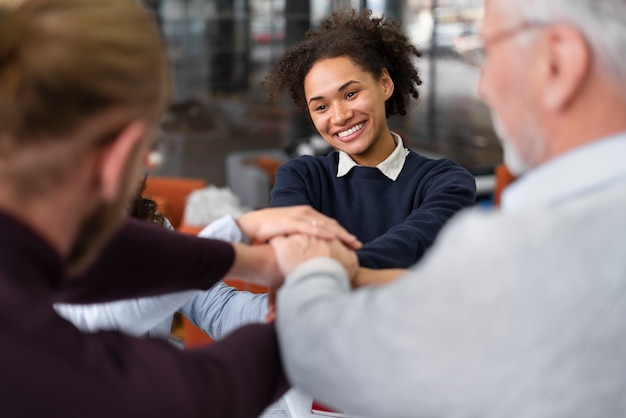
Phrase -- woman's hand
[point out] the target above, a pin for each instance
(265, 224)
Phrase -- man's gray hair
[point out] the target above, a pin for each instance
(602, 23)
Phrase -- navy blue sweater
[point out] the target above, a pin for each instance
(397, 221)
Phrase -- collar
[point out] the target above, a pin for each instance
(391, 167)
(585, 168)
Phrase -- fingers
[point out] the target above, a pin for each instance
(293, 250)
(324, 227)
(265, 224)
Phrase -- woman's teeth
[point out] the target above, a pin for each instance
(350, 131)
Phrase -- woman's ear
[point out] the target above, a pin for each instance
(119, 158)
(387, 84)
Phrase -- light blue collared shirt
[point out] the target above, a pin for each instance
(391, 167)
(585, 168)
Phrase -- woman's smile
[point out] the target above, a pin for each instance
(351, 133)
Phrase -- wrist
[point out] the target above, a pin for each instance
(245, 227)
(257, 264)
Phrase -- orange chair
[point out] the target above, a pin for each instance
(171, 193)
(269, 165)
(194, 336)
(503, 178)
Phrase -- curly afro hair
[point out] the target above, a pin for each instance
(373, 43)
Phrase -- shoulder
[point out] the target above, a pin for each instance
(508, 240)
(436, 167)
(311, 164)
(443, 162)
(314, 160)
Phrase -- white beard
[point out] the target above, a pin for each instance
(512, 159)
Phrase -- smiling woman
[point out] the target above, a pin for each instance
(350, 115)
(350, 76)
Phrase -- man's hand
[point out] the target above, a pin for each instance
(256, 264)
(293, 250)
(264, 224)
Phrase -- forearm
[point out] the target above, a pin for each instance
(243, 372)
(334, 339)
(405, 244)
(368, 277)
(221, 309)
(448, 188)
(257, 264)
(315, 330)
(435, 342)
(131, 316)
(393, 251)
(238, 377)
(168, 262)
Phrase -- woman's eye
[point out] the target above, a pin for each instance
(351, 94)
(319, 108)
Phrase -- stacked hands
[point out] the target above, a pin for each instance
(295, 249)
(292, 235)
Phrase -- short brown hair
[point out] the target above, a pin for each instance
(62, 61)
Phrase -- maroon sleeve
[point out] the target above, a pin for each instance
(108, 374)
(248, 359)
(143, 259)
(51, 369)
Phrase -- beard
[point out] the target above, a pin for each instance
(518, 163)
(99, 226)
(95, 231)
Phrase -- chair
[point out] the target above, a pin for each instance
(171, 193)
(503, 178)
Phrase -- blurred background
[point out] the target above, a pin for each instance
(220, 121)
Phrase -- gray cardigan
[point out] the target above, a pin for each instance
(519, 313)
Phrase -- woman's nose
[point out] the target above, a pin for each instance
(341, 114)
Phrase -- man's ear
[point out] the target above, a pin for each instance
(568, 64)
(117, 156)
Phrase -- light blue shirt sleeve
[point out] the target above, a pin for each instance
(224, 308)
(131, 316)
(226, 229)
